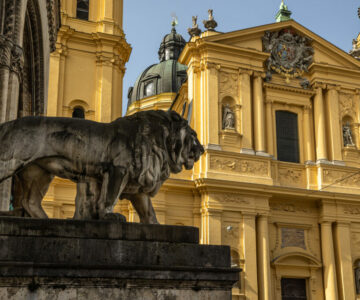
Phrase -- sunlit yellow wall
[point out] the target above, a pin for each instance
(86, 70)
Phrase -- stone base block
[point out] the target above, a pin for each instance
(70, 259)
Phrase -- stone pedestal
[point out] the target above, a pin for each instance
(70, 259)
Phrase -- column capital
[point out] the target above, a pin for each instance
(245, 71)
(307, 108)
(335, 87)
(259, 74)
(248, 215)
(326, 222)
(269, 101)
(318, 84)
(211, 65)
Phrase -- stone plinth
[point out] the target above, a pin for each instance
(69, 259)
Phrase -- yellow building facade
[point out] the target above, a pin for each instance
(280, 178)
(86, 76)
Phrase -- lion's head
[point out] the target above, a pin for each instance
(163, 143)
(185, 148)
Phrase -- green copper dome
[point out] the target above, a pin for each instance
(164, 77)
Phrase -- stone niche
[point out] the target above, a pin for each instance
(72, 259)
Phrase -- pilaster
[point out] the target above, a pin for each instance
(269, 128)
(263, 258)
(211, 96)
(259, 113)
(248, 247)
(333, 123)
(345, 273)
(308, 138)
(246, 126)
(328, 259)
(319, 120)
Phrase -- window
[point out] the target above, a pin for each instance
(82, 9)
(293, 289)
(149, 89)
(287, 139)
(78, 112)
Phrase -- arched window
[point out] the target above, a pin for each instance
(78, 112)
(287, 139)
(149, 89)
(82, 9)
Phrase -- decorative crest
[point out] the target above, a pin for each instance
(290, 53)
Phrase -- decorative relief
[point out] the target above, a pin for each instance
(17, 61)
(347, 104)
(355, 242)
(292, 237)
(341, 178)
(228, 85)
(11, 56)
(5, 51)
(231, 198)
(351, 210)
(290, 177)
(53, 27)
(248, 167)
(288, 208)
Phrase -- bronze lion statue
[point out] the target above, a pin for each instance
(130, 158)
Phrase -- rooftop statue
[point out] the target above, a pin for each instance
(194, 30)
(130, 158)
(210, 24)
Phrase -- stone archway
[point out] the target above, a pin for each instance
(31, 95)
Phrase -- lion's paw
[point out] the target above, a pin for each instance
(115, 217)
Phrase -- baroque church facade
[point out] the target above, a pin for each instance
(277, 110)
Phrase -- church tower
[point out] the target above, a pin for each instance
(86, 76)
(87, 68)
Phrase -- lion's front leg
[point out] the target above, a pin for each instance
(143, 206)
(114, 182)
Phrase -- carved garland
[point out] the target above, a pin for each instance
(53, 9)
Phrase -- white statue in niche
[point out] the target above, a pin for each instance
(347, 135)
(228, 121)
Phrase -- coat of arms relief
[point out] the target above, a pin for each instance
(290, 54)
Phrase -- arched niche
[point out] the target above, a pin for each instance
(229, 124)
(32, 90)
(228, 114)
(349, 131)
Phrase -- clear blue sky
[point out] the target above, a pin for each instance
(147, 21)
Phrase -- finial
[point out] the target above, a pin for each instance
(283, 14)
(194, 30)
(210, 24)
(174, 22)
